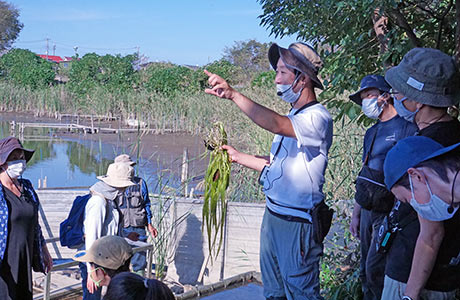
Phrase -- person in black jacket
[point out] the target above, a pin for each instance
(22, 246)
(372, 201)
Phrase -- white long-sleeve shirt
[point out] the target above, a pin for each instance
(101, 219)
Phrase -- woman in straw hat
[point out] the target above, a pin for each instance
(22, 246)
(102, 216)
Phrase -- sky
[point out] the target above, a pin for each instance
(192, 32)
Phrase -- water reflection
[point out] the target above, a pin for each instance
(77, 162)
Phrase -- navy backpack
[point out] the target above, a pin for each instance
(71, 229)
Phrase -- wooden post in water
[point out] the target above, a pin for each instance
(184, 173)
(13, 128)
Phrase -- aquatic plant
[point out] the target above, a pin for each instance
(216, 182)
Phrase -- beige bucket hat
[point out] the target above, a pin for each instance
(124, 158)
(118, 175)
(109, 252)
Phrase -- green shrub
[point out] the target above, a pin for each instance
(23, 67)
(264, 79)
(111, 73)
(168, 79)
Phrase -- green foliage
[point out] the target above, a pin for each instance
(217, 179)
(249, 56)
(9, 24)
(344, 34)
(112, 73)
(169, 79)
(226, 70)
(24, 67)
(264, 79)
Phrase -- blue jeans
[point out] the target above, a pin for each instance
(138, 261)
(289, 259)
(84, 277)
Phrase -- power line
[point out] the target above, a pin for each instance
(31, 42)
(93, 48)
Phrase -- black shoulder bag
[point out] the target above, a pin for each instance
(371, 192)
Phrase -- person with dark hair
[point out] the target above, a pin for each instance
(22, 246)
(425, 83)
(129, 286)
(372, 200)
(107, 256)
(423, 173)
(292, 175)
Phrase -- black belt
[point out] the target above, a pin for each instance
(288, 218)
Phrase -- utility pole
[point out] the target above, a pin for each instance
(47, 47)
(54, 49)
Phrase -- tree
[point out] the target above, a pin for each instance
(112, 73)
(9, 25)
(24, 67)
(358, 37)
(249, 55)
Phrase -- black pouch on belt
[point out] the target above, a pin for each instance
(322, 219)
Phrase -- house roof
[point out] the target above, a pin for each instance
(55, 58)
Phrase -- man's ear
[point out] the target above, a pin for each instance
(419, 105)
(416, 175)
(305, 80)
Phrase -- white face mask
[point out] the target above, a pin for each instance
(16, 168)
(371, 108)
(435, 210)
(286, 93)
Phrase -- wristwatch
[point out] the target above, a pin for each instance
(406, 298)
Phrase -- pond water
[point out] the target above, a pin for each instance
(76, 161)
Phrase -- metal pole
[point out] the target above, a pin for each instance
(47, 286)
(149, 262)
(184, 174)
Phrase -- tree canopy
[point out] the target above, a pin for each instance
(26, 68)
(359, 37)
(250, 55)
(9, 25)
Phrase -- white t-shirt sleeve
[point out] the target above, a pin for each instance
(310, 126)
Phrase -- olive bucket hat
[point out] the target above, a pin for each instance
(109, 252)
(8, 145)
(299, 56)
(428, 76)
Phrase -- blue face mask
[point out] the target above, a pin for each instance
(403, 111)
(371, 108)
(286, 93)
(435, 210)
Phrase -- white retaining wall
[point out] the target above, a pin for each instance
(188, 247)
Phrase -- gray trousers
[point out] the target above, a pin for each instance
(289, 259)
(394, 290)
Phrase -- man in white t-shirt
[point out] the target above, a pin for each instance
(293, 174)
